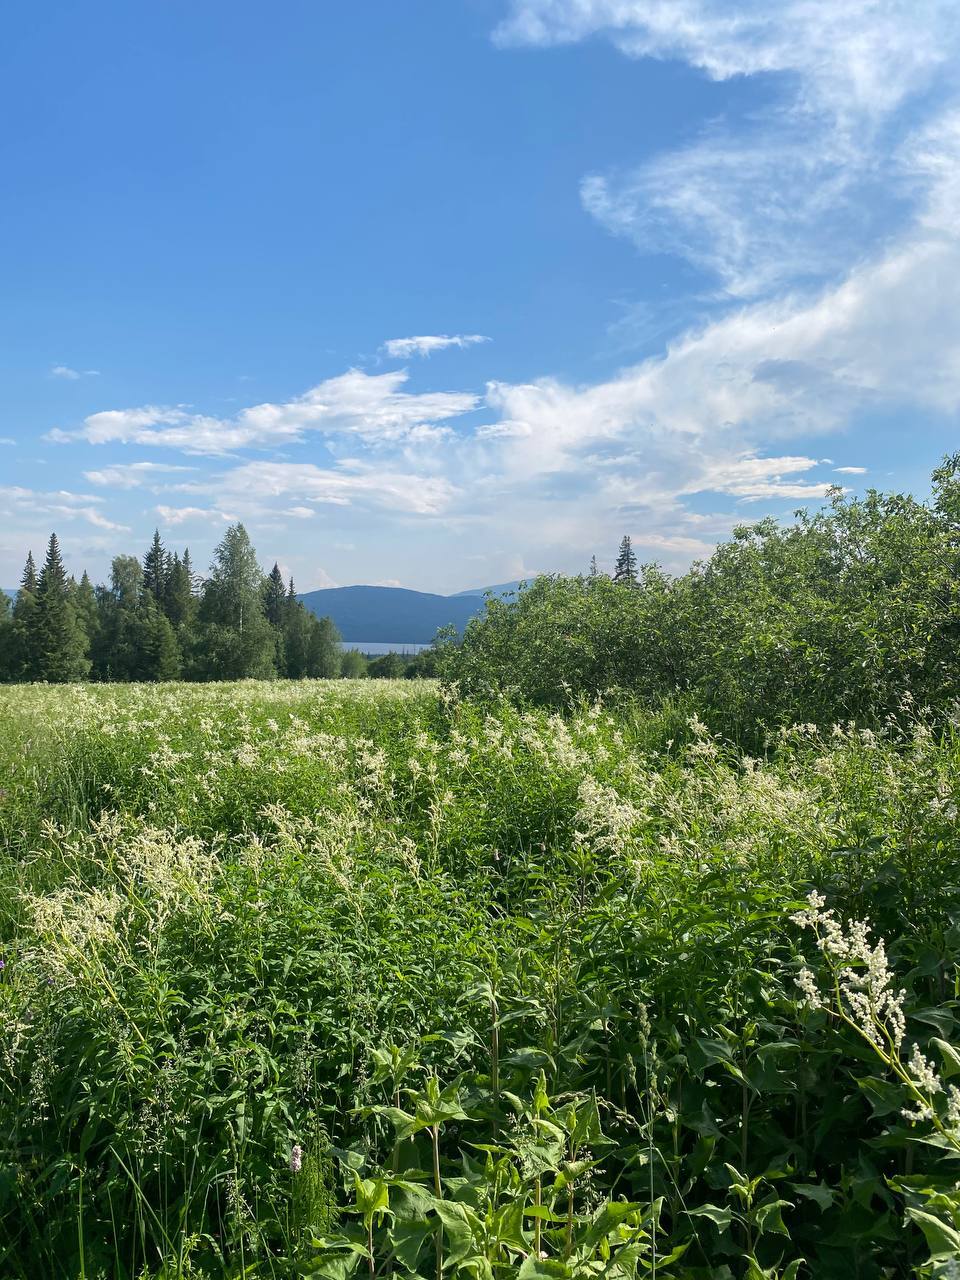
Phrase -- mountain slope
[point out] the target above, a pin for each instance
(390, 615)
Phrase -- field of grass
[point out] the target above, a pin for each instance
(361, 979)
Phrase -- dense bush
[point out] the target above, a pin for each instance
(836, 616)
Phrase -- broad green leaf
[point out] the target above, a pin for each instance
(943, 1239)
(543, 1269)
(818, 1192)
(950, 1055)
(768, 1217)
(720, 1215)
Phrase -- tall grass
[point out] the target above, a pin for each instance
(337, 978)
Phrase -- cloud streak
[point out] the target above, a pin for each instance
(64, 372)
(404, 348)
(18, 503)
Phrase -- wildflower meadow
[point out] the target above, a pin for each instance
(337, 978)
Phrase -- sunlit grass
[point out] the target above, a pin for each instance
(223, 905)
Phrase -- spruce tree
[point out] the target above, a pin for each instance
(6, 638)
(160, 653)
(84, 599)
(56, 636)
(155, 569)
(274, 597)
(625, 571)
(22, 660)
(28, 582)
(594, 571)
(179, 603)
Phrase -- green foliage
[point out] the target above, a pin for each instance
(837, 616)
(56, 643)
(333, 978)
(353, 665)
(155, 622)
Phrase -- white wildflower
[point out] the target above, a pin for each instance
(923, 1073)
(808, 985)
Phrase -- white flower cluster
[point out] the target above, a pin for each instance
(864, 977)
(605, 821)
(871, 1002)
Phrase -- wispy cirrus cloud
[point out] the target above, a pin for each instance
(191, 515)
(18, 503)
(863, 55)
(131, 475)
(403, 348)
(791, 195)
(64, 372)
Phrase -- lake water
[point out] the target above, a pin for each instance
(376, 647)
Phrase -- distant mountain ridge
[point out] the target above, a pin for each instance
(394, 615)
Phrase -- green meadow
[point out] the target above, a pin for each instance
(363, 978)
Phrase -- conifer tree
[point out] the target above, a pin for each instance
(155, 569)
(274, 597)
(28, 582)
(55, 636)
(84, 599)
(160, 653)
(179, 603)
(594, 571)
(6, 638)
(625, 570)
(21, 662)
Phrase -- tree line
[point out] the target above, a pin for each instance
(851, 612)
(156, 619)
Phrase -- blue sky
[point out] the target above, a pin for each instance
(447, 293)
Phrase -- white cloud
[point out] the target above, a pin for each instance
(403, 348)
(18, 503)
(72, 375)
(183, 515)
(851, 471)
(371, 407)
(795, 193)
(7, 440)
(254, 484)
(858, 56)
(753, 211)
(130, 475)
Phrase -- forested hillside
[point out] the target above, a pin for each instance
(156, 619)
